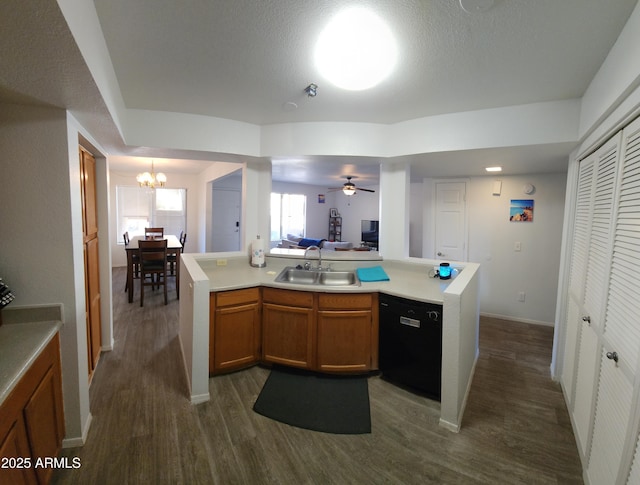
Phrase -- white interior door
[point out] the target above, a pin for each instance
(450, 221)
(225, 227)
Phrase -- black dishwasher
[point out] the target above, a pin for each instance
(411, 343)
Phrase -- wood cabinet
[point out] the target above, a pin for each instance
(235, 329)
(346, 336)
(91, 257)
(288, 327)
(32, 419)
(15, 446)
(328, 332)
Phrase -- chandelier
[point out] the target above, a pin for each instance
(152, 180)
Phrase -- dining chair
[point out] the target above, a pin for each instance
(135, 260)
(154, 232)
(153, 265)
(172, 256)
(173, 262)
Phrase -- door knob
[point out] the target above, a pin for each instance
(613, 356)
(587, 319)
(440, 254)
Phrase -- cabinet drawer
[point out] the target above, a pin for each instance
(343, 301)
(237, 297)
(302, 299)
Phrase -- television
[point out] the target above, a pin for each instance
(369, 232)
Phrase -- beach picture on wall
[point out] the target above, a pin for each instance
(521, 210)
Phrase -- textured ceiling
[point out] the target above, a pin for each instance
(244, 59)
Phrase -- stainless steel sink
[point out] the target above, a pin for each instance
(297, 276)
(300, 276)
(339, 278)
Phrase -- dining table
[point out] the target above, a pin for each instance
(173, 246)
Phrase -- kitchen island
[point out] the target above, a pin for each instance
(409, 278)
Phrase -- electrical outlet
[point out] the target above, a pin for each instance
(221, 262)
(521, 296)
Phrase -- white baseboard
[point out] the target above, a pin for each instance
(200, 398)
(454, 428)
(79, 440)
(517, 319)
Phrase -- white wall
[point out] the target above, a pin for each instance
(174, 181)
(492, 237)
(355, 208)
(416, 205)
(41, 238)
(203, 207)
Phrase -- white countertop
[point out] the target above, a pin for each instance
(26, 331)
(406, 278)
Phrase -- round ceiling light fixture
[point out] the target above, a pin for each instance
(356, 50)
(475, 6)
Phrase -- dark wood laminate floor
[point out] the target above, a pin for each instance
(516, 429)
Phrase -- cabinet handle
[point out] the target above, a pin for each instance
(613, 356)
(587, 319)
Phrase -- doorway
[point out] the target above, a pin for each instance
(450, 234)
(226, 210)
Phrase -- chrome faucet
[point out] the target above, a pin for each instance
(307, 264)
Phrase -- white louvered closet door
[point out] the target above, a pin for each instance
(615, 427)
(588, 282)
(576, 275)
(634, 474)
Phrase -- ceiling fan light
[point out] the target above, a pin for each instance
(349, 190)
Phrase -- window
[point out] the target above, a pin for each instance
(288, 215)
(137, 208)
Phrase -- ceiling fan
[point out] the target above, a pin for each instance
(349, 188)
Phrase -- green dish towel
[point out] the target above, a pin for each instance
(372, 274)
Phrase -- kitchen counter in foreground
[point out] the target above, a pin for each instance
(409, 278)
(25, 332)
(406, 279)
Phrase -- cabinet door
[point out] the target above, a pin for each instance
(614, 431)
(236, 337)
(634, 473)
(588, 284)
(91, 257)
(16, 445)
(611, 421)
(88, 187)
(344, 340)
(92, 282)
(573, 327)
(42, 422)
(287, 335)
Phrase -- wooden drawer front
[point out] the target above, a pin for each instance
(344, 301)
(237, 297)
(302, 299)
